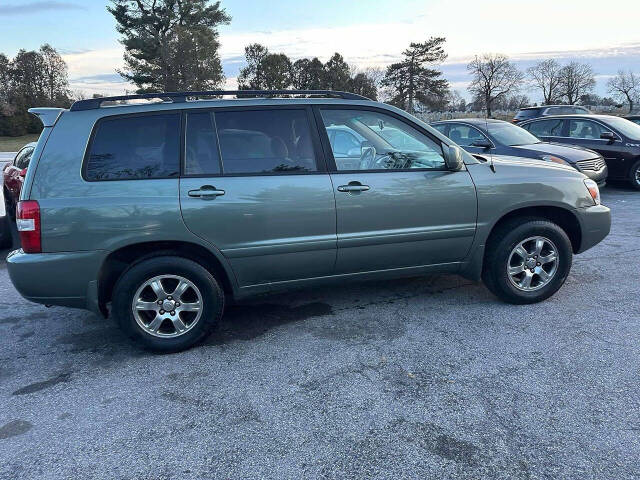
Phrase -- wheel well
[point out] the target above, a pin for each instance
(563, 218)
(119, 260)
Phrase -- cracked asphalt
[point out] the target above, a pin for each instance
(419, 378)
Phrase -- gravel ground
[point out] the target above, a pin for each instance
(419, 378)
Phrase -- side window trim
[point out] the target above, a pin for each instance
(326, 145)
(321, 161)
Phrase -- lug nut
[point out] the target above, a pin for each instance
(161, 312)
(159, 302)
(173, 312)
(177, 304)
(169, 297)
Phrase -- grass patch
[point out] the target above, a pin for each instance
(13, 144)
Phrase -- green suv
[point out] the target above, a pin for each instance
(159, 209)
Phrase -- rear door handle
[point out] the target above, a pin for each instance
(353, 187)
(206, 191)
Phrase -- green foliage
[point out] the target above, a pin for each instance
(411, 80)
(170, 45)
(30, 79)
(275, 71)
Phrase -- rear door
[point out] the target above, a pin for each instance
(254, 186)
(401, 207)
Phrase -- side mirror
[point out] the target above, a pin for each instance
(608, 136)
(482, 143)
(453, 157)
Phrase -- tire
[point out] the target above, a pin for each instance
(634, 175)
(9, 206)
(152, 326)
(6, 241)
(540, 276)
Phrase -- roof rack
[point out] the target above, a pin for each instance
(178, 97)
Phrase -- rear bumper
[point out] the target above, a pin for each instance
(595, 224)
(67, 278)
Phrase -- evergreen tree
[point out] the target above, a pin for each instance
(411, 80)
(170, 45)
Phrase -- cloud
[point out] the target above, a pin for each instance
(32, 8)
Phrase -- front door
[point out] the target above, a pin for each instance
(400, 207)
(586, 133)
(253, 187)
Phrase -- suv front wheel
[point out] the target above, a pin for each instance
(167, 303)
(527, 261)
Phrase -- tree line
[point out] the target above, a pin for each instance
(32, 78)
(174, 45)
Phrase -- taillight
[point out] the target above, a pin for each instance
(28, 223)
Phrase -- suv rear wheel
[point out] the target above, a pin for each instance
(167, 303)
(527, 260)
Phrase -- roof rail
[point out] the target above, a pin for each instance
(175, 97)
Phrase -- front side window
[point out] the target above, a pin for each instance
(464, 135)
(384, 142)
(586, 129)
(265, 141)
(546, 128)
(135, 147)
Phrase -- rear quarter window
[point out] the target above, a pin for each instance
(134, 147)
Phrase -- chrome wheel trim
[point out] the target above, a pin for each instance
(532, 264)
(165, 314)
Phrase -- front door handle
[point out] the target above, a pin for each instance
(353, 187)
(206, 191)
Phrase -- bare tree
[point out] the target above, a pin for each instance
(576, 79)
(493, 78)
(626, 87)
(546, 76)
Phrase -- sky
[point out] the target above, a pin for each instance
(366, 32)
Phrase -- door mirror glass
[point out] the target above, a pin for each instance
(453, 157)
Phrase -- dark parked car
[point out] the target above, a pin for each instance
(616, 139)
(482, 136)
(13, 177)
(530, 113)
(633, 118)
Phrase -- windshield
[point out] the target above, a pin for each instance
(511, 135)
(624, 126)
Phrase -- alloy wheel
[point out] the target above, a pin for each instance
(532, 263)
(167, 306)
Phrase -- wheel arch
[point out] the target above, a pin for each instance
(121, 259)
(563, 217)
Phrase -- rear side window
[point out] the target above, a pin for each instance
(528, 113)
(135, 147)
(265, 141)
(546, 128)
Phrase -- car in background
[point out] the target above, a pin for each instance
(633, 118)
(496, 137)
(615, 138)
(529, 113)
(13, 177)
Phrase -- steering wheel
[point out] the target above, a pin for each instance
(368, 158)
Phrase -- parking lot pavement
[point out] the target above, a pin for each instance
(419, 378)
